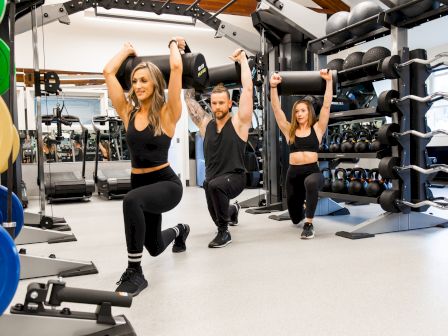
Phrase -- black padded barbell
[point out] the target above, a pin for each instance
(194, 75)
(304, 83)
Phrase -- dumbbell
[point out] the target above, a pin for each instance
(387, 101)
(194, 75)
(389, 134)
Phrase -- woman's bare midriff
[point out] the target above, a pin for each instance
(302, 158)
(148, 170)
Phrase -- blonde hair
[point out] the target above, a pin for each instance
(294, 124)
(220, 88)
(158, 96)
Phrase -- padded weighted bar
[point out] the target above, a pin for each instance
(9, 269)
(304, 83)
(227, 74)
(194, 75)
(6, 133)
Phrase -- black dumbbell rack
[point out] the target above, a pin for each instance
(411, 186)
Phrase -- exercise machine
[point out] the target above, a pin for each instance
(111, 182)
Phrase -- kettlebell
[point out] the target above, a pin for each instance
(376, 185)
(323, 148)
(326, 172)
(335, 145)
(375, 145)
(358, 183)
(362, 144)
(348, 143)
(340, 183)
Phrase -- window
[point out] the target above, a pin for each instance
(437, 116)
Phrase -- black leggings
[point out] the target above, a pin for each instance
(151, 195)
(303, 182)
(218, 191)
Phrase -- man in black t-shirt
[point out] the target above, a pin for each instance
(225, 140)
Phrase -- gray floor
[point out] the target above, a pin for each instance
(268, 281)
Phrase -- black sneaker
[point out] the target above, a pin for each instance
(308, 231)
(222, 239)
(179, 242)
(234, 217)
(132, 282)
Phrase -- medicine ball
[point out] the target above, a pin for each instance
(361, 12)
(336, 64)
(372, 55)
(416, 9)
(353, 60)
(337, 22)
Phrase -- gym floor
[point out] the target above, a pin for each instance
(268, 281)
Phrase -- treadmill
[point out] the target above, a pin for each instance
(112, 183)
(66, 186)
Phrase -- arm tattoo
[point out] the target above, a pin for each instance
(189, 94)
(195, 111)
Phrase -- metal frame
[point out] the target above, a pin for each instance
(61, 12)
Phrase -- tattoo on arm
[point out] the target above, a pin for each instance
(196, 112)
(189, 93)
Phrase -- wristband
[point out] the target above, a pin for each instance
(171, 41)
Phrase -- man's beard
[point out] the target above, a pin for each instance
(222, 115)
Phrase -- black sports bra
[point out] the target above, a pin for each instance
(305, 144)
